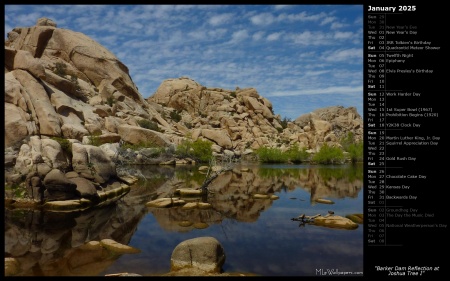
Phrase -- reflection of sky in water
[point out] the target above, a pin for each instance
(274, 245)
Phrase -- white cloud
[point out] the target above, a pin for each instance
(308, 54)
(220, 19)
(352, 54)
(258, 35)
(274, 36)
(316, 73)
(309, 38)
(280, 7)
(322, 91)
(303, 17)
(239, 35)
(343, 35)
(7, 30)
(337, 25)
(198, 35)
(29, 19)
(109, 40)
(262, 19)
(217, 33)
(327, 20)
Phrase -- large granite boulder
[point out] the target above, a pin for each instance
(203, 253)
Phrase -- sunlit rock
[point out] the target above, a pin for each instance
(64, 205)
(204, 205)
(188, 192)
(165, 202)
(324, 201)
(261, 196)
(335, 222)
(91, 245)
(190, 205)
(12, 266)
(118, 248)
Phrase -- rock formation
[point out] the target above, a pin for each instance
(63, 90)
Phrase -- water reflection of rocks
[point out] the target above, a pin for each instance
(63, 244)
(57, 244)
(232, 194)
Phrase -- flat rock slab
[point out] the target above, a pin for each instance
(335, 222)
(165, 202)
(117, 247)
(324, 201)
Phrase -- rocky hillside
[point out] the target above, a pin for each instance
(62, 84)
(241, 119)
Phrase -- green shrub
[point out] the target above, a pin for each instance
(329, 155)
(271, 155)
(94, 139)
(188, 125)
(347, 140)
(66, 146)
(355, 149)
(297, 155)
(17, 190)
(74, 79)
(284, 122)
(184, 148)
(275, 155)
(110, 101)
(175, 116)
(199, 150)
(60, 69)
(202, 150)
(148, 124)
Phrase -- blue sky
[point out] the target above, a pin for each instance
(300, 57)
